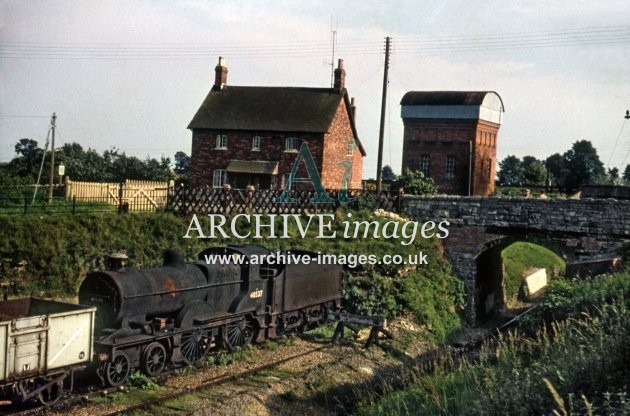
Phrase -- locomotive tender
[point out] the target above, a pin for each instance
(175, 314)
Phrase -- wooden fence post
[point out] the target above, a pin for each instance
(120, 198)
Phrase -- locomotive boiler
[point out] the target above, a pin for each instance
(176, 313)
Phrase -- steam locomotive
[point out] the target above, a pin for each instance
(175, 314)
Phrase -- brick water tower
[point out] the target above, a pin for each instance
(451, 136)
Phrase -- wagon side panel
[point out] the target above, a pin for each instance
(70, 338)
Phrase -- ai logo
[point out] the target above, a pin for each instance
(304, 155)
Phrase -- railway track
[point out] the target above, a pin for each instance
(425, 363)
(76, 399)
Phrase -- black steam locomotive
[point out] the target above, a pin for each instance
(176, 313)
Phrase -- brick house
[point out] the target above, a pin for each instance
(245, 136)
(451, 136)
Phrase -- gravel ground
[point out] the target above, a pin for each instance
(328, 381)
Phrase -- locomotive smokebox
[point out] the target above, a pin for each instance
(140, 295)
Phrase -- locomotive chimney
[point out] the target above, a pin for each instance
(115, 262)
(173, 258)
(220, 74)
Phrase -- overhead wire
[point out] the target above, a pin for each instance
(612, 153)
(406, 44)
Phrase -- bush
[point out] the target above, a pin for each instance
(414, 182)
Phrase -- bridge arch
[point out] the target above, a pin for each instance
(576, 230)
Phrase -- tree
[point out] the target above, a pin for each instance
(182, 164)
(557, 170)
(29, 159)
(613, 176)
(387, 173)
(27, 148)
(626, 174)
(533, 171)
(414, 182)
(510, 171)
(582, 164)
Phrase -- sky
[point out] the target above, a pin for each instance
(130, 75)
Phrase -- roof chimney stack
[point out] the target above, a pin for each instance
(220, 74)
(340, 76)
(353, 109)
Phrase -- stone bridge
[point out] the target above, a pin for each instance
(481, 227)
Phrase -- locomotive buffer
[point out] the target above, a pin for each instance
(345, 319)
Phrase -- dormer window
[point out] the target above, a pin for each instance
(350, 147)
(222, 142)
(291, 144)
(255, 143)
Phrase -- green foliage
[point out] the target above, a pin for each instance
(87, 165)
(519, 257)
(14, 187)
(56, 252)
(578, 166)
(534, 171)
(227, 358)
(414, 182)
(434, 299)
(140, 381)
(586, 353)
(510, 171)
(374, 295)
(387, 173)
(366, 201)
(564, 299)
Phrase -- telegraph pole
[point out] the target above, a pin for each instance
(379, 164)
(52, 158)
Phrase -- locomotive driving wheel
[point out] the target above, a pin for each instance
(194, 345)
(238, 334)
(154, 359)
(117, 370)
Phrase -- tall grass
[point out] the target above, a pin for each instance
(578, 365)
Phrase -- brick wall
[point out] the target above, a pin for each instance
(336, 151)
(205, 158)
(440, 138)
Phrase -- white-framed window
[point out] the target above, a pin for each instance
(450, 166)
(291, 144)
(425, 164)
(350, 147)
(222, 141)
(255, 143)
(219, 178)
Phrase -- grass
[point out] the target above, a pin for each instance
(575, 365)
(519, 257)
(51, 255)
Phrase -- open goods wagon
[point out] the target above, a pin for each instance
(42, 343)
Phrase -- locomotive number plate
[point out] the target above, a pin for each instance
(256, 294)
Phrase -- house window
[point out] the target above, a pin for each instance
(350, 147)
(255, 143)
(221, 141)
(291, 144)
(450, 166)
(219, 178)
(425, 164)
